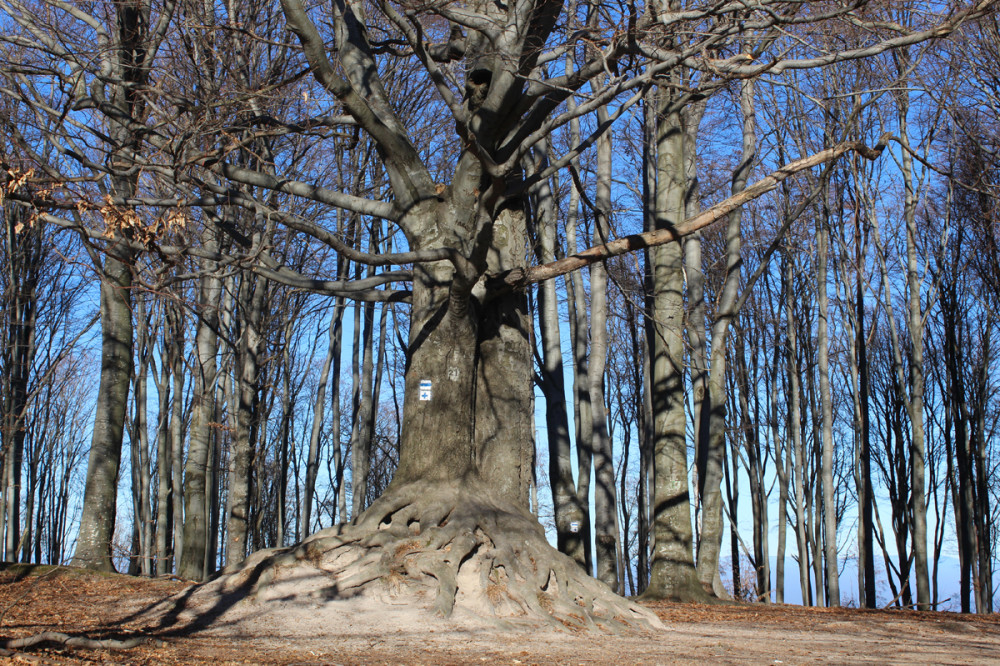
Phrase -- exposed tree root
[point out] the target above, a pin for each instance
(78, 642)
(444, 549)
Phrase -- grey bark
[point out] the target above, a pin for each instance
(361, 435)
(751, 423)
(247, 367)
(782, 470)
(568, 513)
(578, 327)
(164, 459)
(197, 477)
(139, 437)
(711, 443)
(97, 522)
(826, 407)
(133, 51)
(285, 432)
(672, 571)
(504, 421)
(334, 333)
(605, 529)
(915, 404)
(175, 355)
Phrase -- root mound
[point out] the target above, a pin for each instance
(419, 554)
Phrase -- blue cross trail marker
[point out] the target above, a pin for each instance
(425, 389)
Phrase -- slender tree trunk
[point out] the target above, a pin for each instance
(711, 445)
(640, 384)
(97, 522)
(750, 424)
(691, 117)
(196, 469)
(247, 367)
(732, 486)
(645, 396)
(826, 407)
(335, 335)
(176, 327)
(605, 531)
(140, 445)
(164, 462)
(794, 427)
(865, 493)
(964, 500)
(782, 464)
(284, 438)
(568, 513)
(978, 440)
(915, 405)
(578, 327)
(24, 262)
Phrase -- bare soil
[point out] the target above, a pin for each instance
(85, 604)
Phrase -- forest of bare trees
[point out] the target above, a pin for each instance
(706, 289)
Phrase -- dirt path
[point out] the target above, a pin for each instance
(35, 599)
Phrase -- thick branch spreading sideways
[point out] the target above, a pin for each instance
(717, 212)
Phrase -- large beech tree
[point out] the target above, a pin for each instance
(455, 517)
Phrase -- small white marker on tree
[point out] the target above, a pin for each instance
(425, 389)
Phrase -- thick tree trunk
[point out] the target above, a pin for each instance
(505, 442)
(455, 516)
(437, 442)
(672, 570)
(438, 439)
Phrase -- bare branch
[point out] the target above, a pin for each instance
(714, 214)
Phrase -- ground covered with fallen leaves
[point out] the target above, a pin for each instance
(115, 607)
